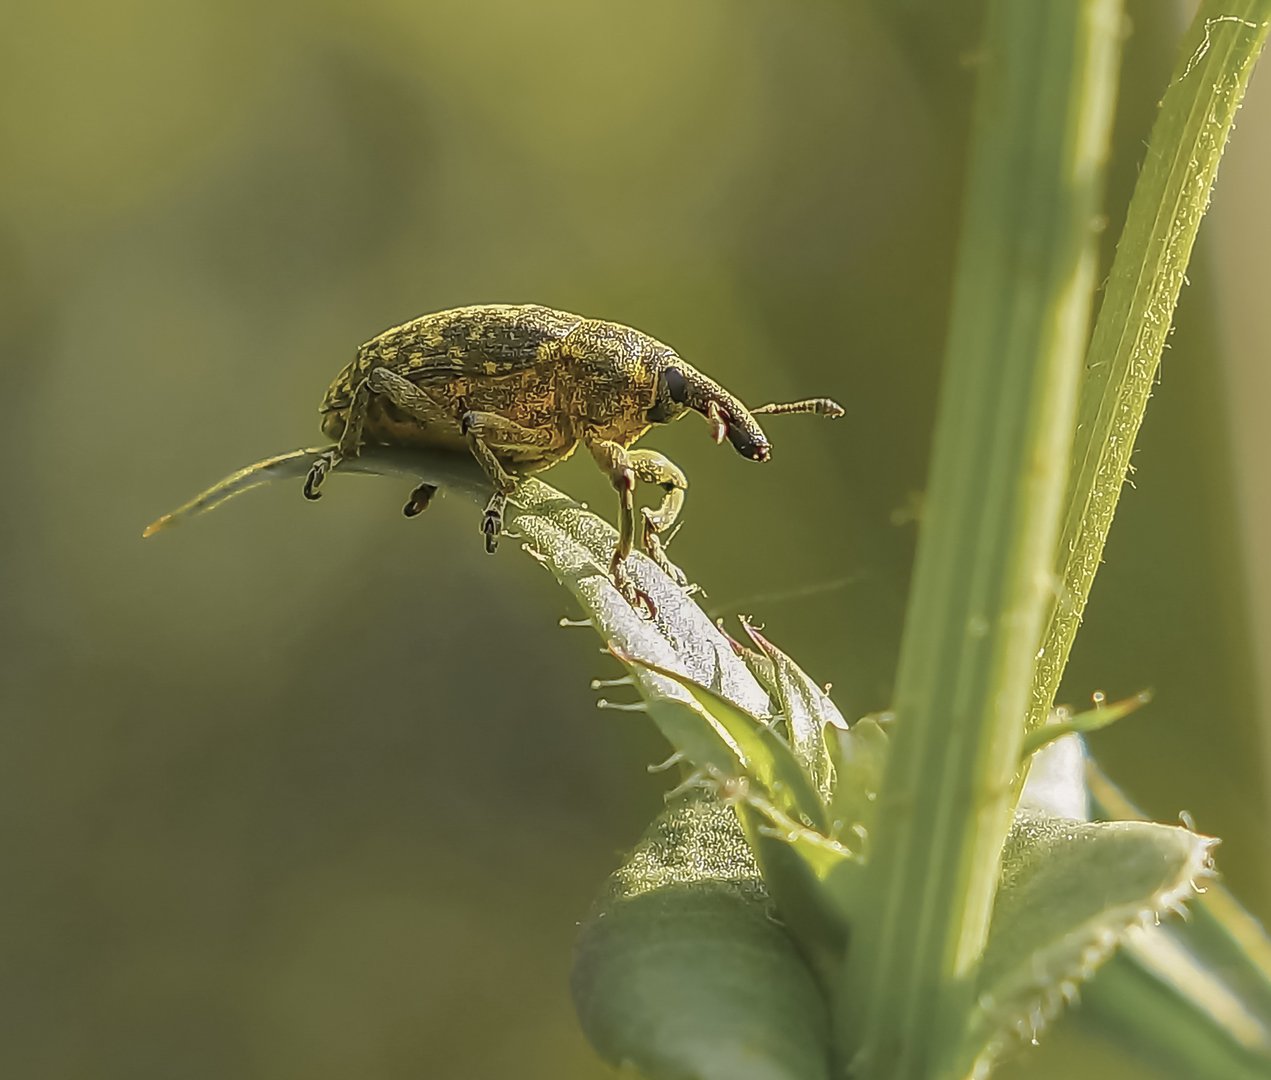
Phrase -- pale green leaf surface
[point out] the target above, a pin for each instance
(1056, 781)
(574, 544)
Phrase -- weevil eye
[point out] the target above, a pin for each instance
(672, 391)
(676, 385)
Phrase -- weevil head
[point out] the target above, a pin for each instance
(681, 388)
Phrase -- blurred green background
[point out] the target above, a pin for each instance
(313, 791)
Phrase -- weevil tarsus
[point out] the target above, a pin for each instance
(492, 521)
(419, 499)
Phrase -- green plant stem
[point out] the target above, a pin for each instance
(1020, 317)
(1170, 197)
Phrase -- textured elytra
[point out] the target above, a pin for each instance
(543, 369)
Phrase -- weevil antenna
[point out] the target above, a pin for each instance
(822, 406)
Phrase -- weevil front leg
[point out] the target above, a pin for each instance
(615, 463)
(654, 468)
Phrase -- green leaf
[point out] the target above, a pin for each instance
(807, 710)
(1070, 893)
(859, 756)
(572, 543)
(1185, 1021)
(1063, 723)
(576, 547)
(682, 970)
(658, 985)
(813, 879)
(682, 973)
(763, 755)
(1194, 995)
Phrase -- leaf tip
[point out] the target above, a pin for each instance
(155, 526)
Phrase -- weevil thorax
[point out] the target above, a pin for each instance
(681, 388)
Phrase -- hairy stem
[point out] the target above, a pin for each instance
(1172, 194)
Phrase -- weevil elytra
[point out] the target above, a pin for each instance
(521, 386)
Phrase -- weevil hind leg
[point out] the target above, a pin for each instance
(350, 440)
(318, 471)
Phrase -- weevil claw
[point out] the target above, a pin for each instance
(491, 525)
(640, 600)
(656, 551)
(419, 500)
(317, 474)
(492, 521)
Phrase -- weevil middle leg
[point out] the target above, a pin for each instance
(416, 401)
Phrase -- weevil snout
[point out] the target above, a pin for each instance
(751, 444)
(728, 418)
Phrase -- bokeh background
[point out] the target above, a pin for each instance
(313, 791)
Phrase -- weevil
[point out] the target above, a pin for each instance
(521, 387)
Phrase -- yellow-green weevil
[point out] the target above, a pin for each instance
(520, 386)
